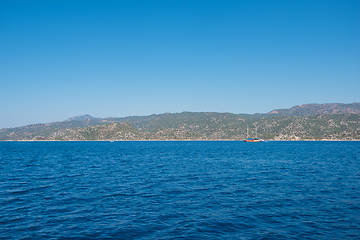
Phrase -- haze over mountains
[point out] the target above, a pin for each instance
(333, 121)
(81, 117)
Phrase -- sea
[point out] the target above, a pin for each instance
(180, 190)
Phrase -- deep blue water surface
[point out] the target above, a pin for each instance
(179, 190)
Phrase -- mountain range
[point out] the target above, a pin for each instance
(332, 121)
(313, 109)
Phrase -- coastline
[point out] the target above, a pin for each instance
(186, 140)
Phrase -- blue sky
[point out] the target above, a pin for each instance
(60, 59)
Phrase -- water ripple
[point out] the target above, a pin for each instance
(179, 190)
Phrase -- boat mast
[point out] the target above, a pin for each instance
(247, 131)
(255, 130)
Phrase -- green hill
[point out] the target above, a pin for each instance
(197, 126)
(314, 109)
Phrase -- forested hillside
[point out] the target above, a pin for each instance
(199, 126)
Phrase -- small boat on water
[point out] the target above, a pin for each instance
(255, 139)
(252, 140)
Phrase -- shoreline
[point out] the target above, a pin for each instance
(186, 140)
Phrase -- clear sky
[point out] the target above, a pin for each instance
(61, 58)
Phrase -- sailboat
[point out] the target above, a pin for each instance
(255, 139)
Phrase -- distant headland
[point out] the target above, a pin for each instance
(330, 121)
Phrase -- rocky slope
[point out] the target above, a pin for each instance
(202, 126)
(313, 109)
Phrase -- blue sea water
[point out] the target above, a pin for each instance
(180, 190)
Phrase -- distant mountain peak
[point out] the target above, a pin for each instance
(81, 118)
(314, 109)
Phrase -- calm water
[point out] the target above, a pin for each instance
(179, 190)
